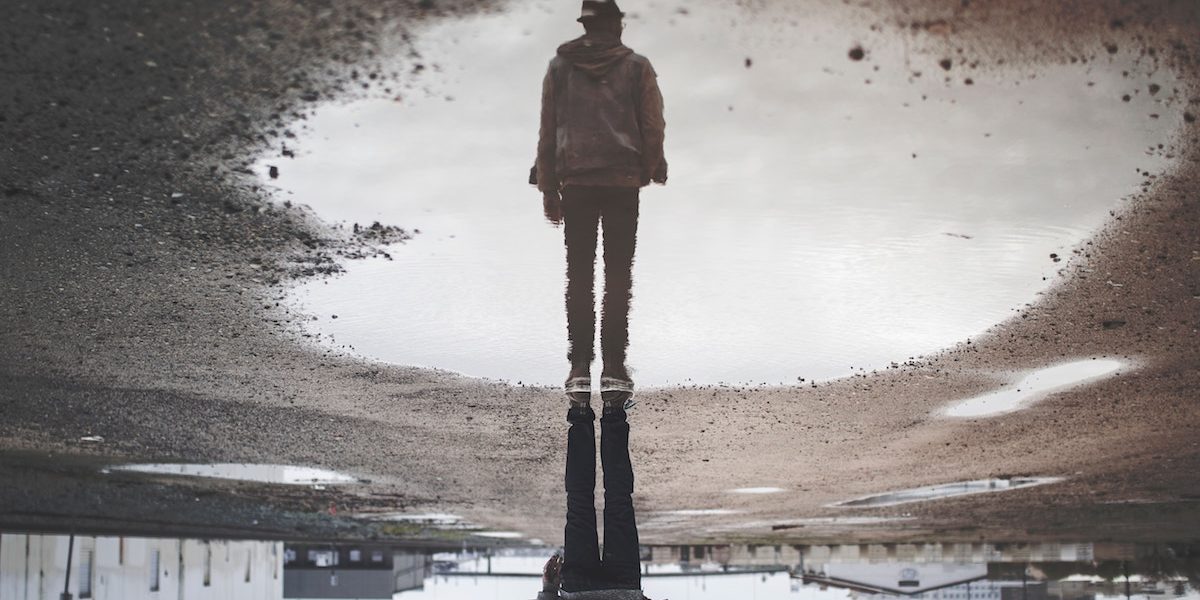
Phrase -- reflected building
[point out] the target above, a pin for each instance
(351, 571)
(35, 566)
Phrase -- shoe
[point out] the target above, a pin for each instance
(616, 391)
(579, 390)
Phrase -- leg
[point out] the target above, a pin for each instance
(622, 556)
(580, 219)
(620, 220)
(581, 553)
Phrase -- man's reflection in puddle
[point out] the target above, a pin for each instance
(600, 141)
(582, 572)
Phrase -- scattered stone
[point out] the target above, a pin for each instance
(946, 63)
(938, 27)
(1154, 88)
(310, 96)
(381, 234)
(1189, 117)
(273, 172)
(857, 53)
(969, 81)
(1055, 257)
(1112, 48)
(1113, 324)
(92, 439)
(1125, 98)
(749, 62)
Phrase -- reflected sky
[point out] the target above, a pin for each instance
(1035, 386)
(822, 214)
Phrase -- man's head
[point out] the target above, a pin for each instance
(601, 16)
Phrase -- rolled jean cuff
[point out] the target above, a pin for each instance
(615, 414)
(581, 414)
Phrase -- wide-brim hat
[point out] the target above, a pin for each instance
(599, 9)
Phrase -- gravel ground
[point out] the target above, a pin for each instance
(143, 272)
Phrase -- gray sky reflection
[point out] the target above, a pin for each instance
(798, 235)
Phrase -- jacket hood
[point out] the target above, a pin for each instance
(594, 54)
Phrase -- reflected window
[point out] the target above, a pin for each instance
(87, 557)
(155, 559)
(377, 556)
(356, 555)
(207, 564)
(323, 558)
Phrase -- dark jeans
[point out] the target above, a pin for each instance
(585, 209)
(582, 567)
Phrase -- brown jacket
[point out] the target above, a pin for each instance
(602, 117)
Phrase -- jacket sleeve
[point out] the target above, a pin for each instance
(653, 126)
(547, 596)
(547, 177)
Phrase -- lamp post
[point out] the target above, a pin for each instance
(66, 595)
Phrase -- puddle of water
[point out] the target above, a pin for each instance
(283, 474)
(815, 522)
(757, 490)
(501, 535)
(846, 521)
(946, 490)
(701, 512)
(431, 518)
(813, 223)
(1034, 387)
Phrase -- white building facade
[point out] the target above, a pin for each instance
(34, 567)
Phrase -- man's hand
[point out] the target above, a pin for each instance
(657, 175)
(552, 206)
(552, 573)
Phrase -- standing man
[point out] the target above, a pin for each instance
(585, 570)
(601, 140)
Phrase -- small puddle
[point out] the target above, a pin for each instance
(445, 519)
(701, 512)
(500, 535)
(946, 490)
(282, 474)
(1034, 387)
(757, 490)
(823, 214)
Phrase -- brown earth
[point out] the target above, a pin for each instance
(143, 271)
